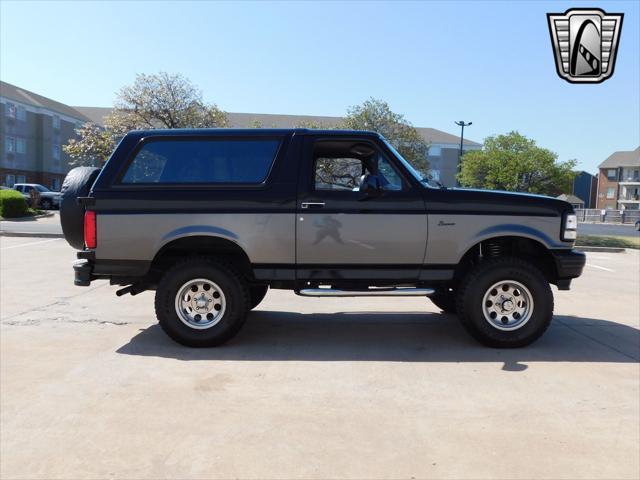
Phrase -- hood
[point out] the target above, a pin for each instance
(475, 201)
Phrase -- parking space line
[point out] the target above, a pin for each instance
(30, 243)
(599, 267)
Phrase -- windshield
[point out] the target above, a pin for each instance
(417, 175)
(42, 189)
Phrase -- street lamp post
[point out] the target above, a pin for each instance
(461, 124)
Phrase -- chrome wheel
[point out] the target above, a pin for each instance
(507, 305)
(200, 303)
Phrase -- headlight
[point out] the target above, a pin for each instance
(570, 227)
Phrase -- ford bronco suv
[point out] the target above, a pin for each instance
(211, 219)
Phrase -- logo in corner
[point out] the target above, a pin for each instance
(585, 43)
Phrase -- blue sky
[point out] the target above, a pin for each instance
(435, 62)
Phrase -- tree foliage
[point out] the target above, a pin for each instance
(161, 100)
(515, 163)
(377, 116)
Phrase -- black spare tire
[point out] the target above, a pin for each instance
(77, 183)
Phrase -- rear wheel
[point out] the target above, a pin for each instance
(505, 302)
(46, 204)
(201, 303)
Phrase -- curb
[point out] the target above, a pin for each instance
(601, 249)
(49, 213)
(31, 234)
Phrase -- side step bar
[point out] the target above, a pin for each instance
(372, 292)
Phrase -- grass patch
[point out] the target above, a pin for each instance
(608, 241)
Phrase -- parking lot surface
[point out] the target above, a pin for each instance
(90, 387)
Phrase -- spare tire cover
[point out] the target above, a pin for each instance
(77, 183)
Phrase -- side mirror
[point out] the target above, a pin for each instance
(371, 184)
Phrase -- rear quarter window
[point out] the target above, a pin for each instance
(224, 161)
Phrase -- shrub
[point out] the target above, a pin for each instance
(12, 204)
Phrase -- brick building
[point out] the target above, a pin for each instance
(33, 130)
(619, 181)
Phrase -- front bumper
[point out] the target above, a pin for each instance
(569, 265)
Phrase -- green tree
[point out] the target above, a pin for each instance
(161, 100)
(377, 116)
(515, 163)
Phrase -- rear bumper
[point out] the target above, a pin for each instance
(87, 269)
(569, 265)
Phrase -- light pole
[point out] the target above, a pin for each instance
(462, 125)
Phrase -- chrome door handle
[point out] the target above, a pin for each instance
(312, 204)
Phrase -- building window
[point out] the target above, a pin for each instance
(612, 174)
(11, 181)
(10, 110)
(21, 145)
(435, 151)
(611, 192)
(55, 184)
(9, 144)
(55, 151)
(21, 114)
(56, 122)
(21, 179)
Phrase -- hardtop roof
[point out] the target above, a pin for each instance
(247, 132)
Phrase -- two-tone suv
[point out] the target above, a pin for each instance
(211, 219)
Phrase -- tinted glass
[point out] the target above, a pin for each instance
(203, 161)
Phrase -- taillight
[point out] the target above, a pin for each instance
(90, 230)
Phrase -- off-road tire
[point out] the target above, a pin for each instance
(445, 300)
(481, 278)
(256, 295)
(236, 295)
(77, 183)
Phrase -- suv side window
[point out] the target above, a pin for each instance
(345, 173)
(205, 161)
(338, 173)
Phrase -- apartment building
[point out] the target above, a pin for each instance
(619, 181)
(33, 130)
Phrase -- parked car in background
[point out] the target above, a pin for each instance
(48, 198)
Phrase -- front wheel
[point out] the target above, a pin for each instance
(201, 303)
(505, 302)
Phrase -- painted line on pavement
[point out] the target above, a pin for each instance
(30, 243)
(599, 267)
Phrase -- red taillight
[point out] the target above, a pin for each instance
(90, 230)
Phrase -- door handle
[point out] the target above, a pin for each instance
(312, 204)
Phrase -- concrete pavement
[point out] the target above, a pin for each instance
(49, 225)
(311, 388)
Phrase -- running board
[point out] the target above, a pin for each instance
(372, 292)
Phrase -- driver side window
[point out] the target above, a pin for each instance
(342, 166)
